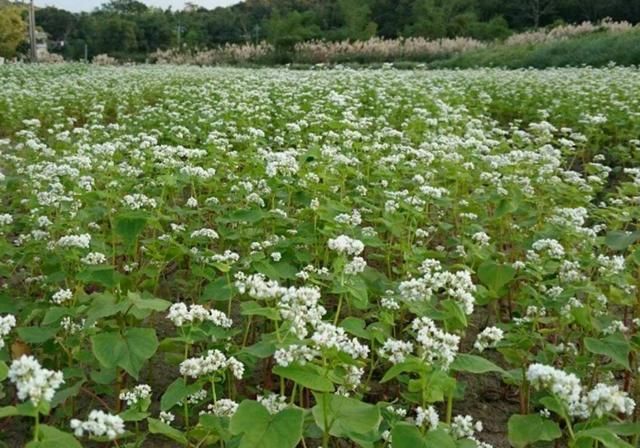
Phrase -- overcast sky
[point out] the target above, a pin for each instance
(89, 5)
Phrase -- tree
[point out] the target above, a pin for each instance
(441, 18)
(154, 30)
(12, 31)
(357, 19)
(124, 7)
(57, 23)
(284, 31)
(536, 10)
(115, 35)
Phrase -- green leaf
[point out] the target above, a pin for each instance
(102, 275)
(133, 415)
(129, 350)
(176, 392)
(4, 371)
(251, 216)
(474, 364)
(8, 411)
(625, 429)
(407, 435)
(36, 335)
(51, 437)
(104, 305)
(356, 327)
(495, 276)
(55, 314)
(347, 417)
(146, 301)
(63, 394)
(357, 288)
(527, 429)
(253, 308)
(215, 425)
(404, 434)
(505, 207)
(605, 436)
(554, 405)
(412, 365)
(306, 376)
(130, 225)
(218, 290)
(620, 240)
(439, 438)
(614, 346)
(158, 427)
(261, 429)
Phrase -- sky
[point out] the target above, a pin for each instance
(89, 5)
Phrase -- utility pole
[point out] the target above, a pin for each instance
(32, 32)
(180, 29)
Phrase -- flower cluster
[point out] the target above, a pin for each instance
(99, 424)
(32, 381)
(488, 338)
(329, 336)
(180, 314)
(437, 346)
(139, 393)
(6, 324)
(213, 362)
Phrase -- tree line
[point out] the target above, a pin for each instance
(128, 29)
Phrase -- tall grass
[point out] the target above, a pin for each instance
(595, 49)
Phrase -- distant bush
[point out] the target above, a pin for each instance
(586, 43)
(595, 49)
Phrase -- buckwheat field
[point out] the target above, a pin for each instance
(215, 257)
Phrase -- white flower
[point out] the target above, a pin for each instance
(355, 266)
(80, 241)
(603, 399)
(459, 285)
(395, 351)
(437, 346)
(551, 246)
(301, 307)
(63, 295)
(566, 386)
(214, 361)
(167, 417)
(94, 258)
(222, 408)
(330, 336)
(32, 381)
(6, 324)
(488, 338)
(192, 202)
(139, 393)
(429, 416)
(481, 238)
(180, 315)
(138, 201)
(205, 233)
(463, 427)
(273, 403)
(5, 219)
(345, 245)
(99, 424)
(300, 354)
